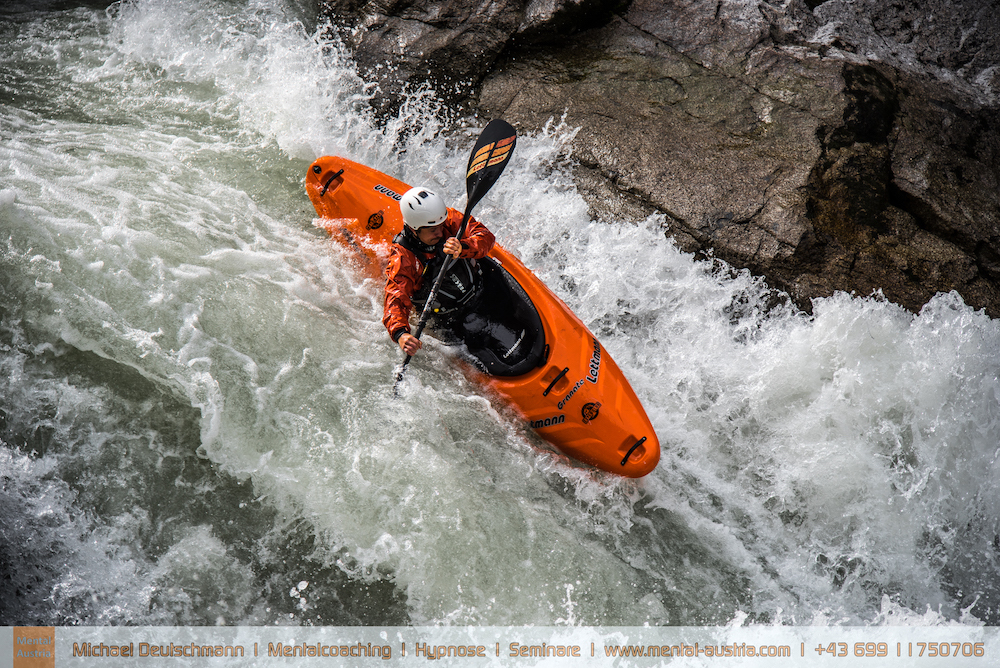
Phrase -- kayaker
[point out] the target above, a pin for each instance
(417, 256)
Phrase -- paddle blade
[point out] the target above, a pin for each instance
(489, 157)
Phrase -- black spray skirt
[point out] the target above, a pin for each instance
(501, 330)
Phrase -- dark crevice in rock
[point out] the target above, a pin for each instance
(849, 183)
(923, 215)
(871, 110)
(988, 259)
(567, 20)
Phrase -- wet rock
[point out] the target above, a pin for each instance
(956, 41)
(825, 145)
(450, 46)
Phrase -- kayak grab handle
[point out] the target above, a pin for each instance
(554, 381)
(632, 449)
(326, 186)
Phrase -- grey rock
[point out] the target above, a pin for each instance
(450, 46)
(827, 146)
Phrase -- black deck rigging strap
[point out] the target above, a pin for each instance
(554, 381)
(326, 186)
(632, 449)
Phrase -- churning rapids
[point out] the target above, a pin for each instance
(196, 409)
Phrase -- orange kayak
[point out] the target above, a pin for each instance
(564, 382)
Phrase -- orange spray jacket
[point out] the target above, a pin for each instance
(405, 274)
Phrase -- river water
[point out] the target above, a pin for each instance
(195, 386)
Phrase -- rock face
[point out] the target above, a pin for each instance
(451, 45)
(827, 146)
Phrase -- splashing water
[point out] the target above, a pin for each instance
(196, 414)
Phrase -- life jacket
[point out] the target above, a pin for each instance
(461, 287)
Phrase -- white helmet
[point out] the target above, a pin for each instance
(422, 208)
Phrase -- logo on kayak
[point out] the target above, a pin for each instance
(387, 192)
(569, 396)
(548, 422)
(517, 344)
(595, 363)
(590, 411)
(375, 221)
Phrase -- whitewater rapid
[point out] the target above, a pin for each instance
(196, 409)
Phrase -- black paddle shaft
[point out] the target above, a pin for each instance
(489, 157)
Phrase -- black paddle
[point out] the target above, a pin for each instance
(489, 157)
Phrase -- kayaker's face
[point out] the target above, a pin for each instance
(431, 235)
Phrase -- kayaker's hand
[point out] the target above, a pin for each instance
(453, 247)
(409, 344)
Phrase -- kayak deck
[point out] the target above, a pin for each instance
(576, 397)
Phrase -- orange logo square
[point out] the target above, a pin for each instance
(34, 647)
